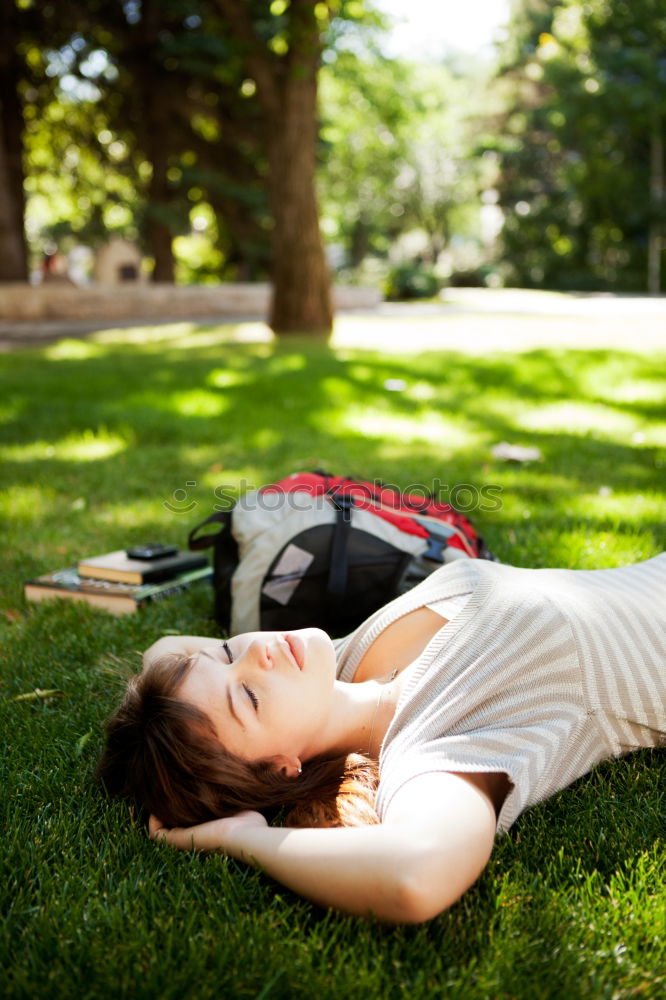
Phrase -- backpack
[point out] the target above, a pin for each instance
(327, 551)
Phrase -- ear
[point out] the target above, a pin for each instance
(289, 767)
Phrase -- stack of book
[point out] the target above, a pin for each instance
(120, 583)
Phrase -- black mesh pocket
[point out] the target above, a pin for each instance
(295, 594)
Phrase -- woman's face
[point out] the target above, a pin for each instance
(268, 694)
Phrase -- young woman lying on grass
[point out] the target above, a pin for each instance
(403, 748)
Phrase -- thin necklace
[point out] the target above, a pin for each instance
(394, 674)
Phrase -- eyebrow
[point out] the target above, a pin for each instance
(230, 703)
(232, 709)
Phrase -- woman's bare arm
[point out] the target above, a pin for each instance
(434, 843)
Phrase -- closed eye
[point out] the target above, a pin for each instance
(227, 650)
(252, 696)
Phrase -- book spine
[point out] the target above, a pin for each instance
(168, 591)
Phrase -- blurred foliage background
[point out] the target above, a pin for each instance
(540, 167)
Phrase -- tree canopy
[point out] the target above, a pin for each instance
(219, 133)
(582, 144)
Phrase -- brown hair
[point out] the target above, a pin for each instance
(164, 754)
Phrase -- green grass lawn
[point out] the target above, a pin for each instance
(96, 436)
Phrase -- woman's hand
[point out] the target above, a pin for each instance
(216, 835)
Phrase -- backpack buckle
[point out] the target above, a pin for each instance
(435, 550)
(343, 502)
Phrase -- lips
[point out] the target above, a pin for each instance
(297, 647)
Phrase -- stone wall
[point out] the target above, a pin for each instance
(25, 303)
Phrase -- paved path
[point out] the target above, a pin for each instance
(477, 321)
(471, 320)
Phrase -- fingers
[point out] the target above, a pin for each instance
(163, 834)
(155, 827)
(176, 836)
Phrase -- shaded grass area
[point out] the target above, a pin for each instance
(137, 434)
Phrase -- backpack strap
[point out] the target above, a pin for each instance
(225, 561)
(339, 567)
(222, 517)
(338, 573)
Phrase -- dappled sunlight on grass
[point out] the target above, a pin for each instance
(150, 339)
(612, 379)
(140, 335)
(212, 336)
(514, 507)
(132, 516)
(176, 402)
(202, 455)
(22, 503)
(225, 378)
(9, 412)
(421, 392)
(579, 418)
(620, 508)
(187, 334)
(531, 477)
(265, 438)
(186, 414)
(600, 549)
(431, 427)
(284, 361)
(73, 350)
(90, 446)
(197, 403)
(639, 391)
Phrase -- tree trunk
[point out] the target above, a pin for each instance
(158, 235)
(657, 199)
(287, 93)
(154, 130)
(13, 250)
(359, 244)
(301, 282)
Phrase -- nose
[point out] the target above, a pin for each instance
(261, 654)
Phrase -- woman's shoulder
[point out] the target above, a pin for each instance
(494, 588)
(450, 580)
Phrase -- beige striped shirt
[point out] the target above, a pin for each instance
(541, 675)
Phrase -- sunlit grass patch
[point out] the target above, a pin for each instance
(133, 516)
(140, 334)
(600, 548)
(430, 427)
(197, 403)
(225, 378)
(619, 378)
(26, 503)
(623, 507)
(89, 446)
(150, 339)
(73, 350)
(638, 391)
(586, 418)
